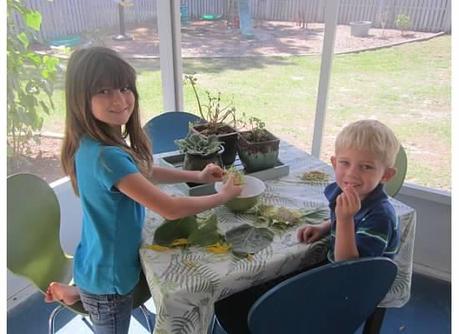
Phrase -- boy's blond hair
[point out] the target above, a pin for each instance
(372, 136)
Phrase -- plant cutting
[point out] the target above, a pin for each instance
(220, 120)
(258, 148)
(280, 219)
(238, 176)
(200, 151)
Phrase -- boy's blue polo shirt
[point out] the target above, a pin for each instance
(376, 224)
(107, 257)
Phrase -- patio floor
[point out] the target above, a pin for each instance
(428, 311)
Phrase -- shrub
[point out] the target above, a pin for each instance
(30, 78)
(403, 22)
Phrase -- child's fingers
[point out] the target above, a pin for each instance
(311, 236)
(305, 234)
(341, 200)
(299, 234)
(215, 171)
(230, 178)
(352, 194)
(353, 199)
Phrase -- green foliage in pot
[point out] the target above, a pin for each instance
(257, 147)
(30, 78)
(257, 132)
(195, 143)
(215, 112)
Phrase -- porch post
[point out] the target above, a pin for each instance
(170, 57)
(331, 18)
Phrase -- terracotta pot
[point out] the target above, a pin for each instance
(228, 135)
(257, 155)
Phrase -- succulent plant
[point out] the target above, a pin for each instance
(195, 143)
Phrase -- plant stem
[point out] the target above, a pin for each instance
(197, 98)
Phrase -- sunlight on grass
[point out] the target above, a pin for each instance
(407, 87)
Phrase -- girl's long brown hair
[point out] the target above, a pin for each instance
(88, 71)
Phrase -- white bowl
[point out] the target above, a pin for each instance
(251, 191)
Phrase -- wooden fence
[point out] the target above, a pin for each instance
(70, 17)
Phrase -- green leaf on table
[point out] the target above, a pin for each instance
(206, 234)
(315, 215)
(171, 230)
(280, 219)
(247, 239)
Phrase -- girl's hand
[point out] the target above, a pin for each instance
(211, 173)
(230, 189)
(347, 204)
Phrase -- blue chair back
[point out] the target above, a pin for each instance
(166, 127)
(335, 298)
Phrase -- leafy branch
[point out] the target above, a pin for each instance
(30, 78)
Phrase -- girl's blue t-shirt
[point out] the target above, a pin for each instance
(107, 257)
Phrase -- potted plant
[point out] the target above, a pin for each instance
(200, 150)
(220, 121)
(257, 147)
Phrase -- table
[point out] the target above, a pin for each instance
(185, 283)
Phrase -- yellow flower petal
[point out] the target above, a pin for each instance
(157, 248)
(180, 242)
(218, 248)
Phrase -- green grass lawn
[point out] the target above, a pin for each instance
(407, 87)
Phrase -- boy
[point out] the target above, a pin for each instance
(362, 221)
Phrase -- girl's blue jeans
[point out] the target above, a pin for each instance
(110, 314)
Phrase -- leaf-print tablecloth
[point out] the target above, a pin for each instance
(185, 283)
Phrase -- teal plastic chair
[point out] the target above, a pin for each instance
(34, 250)
(401, 163)
(167, 127)
(334, 298)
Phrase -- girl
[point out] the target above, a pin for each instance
(108, 158)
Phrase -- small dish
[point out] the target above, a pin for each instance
(251, 191)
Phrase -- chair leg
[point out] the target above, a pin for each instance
(212, 325)
(374, 322)
(52, 318)
(147, 318)
(85, 320)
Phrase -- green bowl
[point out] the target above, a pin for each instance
(251, 191)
